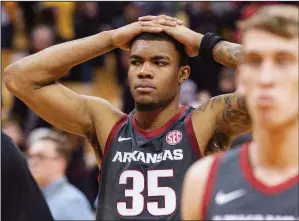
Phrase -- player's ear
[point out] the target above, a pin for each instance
(184, 73)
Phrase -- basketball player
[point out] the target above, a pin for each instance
(258, 181)
(144, 155)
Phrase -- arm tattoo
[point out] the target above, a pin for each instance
(228, 54)
(234, 118)
(231, 119)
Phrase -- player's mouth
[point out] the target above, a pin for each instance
(265, 100)
(144, 87)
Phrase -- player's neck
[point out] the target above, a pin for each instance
(277, 149)
(151, 120)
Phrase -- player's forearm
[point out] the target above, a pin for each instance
(52, 63)
(227, 53)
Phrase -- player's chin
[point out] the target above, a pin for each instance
(144, 98)
(271, 120)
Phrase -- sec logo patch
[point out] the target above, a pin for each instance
(174, 137)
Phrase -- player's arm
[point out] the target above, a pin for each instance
(33, 79)
(227, 117)
(227, 53)
(194, 186)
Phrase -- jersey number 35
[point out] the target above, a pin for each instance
(153, 188)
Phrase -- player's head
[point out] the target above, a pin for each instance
(47, 158)
(268, 74)
(158, 66)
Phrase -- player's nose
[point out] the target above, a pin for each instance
(145, 72)
(267, 74)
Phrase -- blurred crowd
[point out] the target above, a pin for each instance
(28, 27)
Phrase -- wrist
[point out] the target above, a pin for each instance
(198, 39)
(207, 44)
(109, 36)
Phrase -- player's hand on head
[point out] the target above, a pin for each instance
(124, 35)
(175, 28)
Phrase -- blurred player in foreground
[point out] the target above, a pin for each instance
(258, 181)
(146, 154)
(21, 199)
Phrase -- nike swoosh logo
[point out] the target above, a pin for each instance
(223, 198)
(120, 139)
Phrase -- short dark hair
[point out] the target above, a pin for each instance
(162, 36)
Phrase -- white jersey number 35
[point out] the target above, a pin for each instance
(138, 203)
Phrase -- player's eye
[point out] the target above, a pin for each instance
(135, 62)
(253, 61)
(161, 63)
(283, 59)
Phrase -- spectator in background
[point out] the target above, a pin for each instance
(227, 81)
(188, 93)
(7, 27)
(48, 156)
(203, 96)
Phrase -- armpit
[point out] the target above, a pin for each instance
(219, 142)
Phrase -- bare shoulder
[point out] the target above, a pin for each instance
(201, 169)
(194, 188)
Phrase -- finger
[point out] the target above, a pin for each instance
(160, 22)
(151, 29)
(180, 22)
(149, 23)
(147, 18)
(166, 22)
(168, 18)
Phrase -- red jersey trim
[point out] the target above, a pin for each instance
(210, 185)
(250, 177)
(161, 130)
(110, 138)
(192, 137)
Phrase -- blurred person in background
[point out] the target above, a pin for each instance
(203, 96)
(227, 81)
(21, 198)
(260, 180)
(48, 156)
(7, 24)
(188, 93)
(76, 172)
